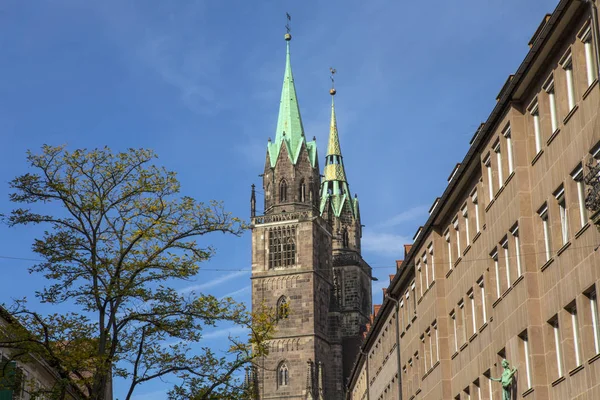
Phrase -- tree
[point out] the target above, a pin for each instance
(119, 236)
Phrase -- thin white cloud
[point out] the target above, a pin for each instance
(388, 244)
(225, 332)
(235, 293)
(213, 283)
(405, 216)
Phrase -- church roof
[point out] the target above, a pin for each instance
(290, 131)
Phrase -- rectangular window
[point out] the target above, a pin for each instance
(515, 233)
(457, 236)
(525, 355)
(473, 311)
(463, 321)
(477, 389)
(577, 176)
(449, 246)
(499, 162)
(509, 149)
(488, 166)
(420, 278)
(567, 65)
(557, 345)
(585, 36)
(494, 256)
(465, 215)
(436, 341)
(483, 305)
(534, 110)
(413, 290)
(504, 245)
(431, 261)
(572, 310)
(426, 266)
(454, 330)
(425, 353)
(593, 299)
(476, 209)
(562, 210)
(543, 213)
(549, 88)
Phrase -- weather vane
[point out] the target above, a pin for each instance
(333, 71)
(287, 25)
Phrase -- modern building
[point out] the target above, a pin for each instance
(507, 265)
(306, 261)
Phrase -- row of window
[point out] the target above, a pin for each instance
(303, 194)
(282, 247)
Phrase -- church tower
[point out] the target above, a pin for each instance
(292, 265)
(351, 274)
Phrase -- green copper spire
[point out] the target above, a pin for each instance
(335, 186)
(290, 131)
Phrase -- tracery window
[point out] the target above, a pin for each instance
(283, 376)
(282, 308)
(282, 247)
(282, 191)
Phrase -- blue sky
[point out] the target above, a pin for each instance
(199, 82)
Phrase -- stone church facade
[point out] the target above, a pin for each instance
(306, 261)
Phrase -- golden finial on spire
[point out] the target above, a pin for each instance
(332, 91)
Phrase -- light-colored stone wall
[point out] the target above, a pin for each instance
(495, 291)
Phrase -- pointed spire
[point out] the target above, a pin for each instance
(321, 397)
(334, 185)
(289, 131)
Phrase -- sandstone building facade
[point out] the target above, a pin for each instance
(507, 265)
(306, 261)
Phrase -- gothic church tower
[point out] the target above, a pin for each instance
(292, 265)
(351, 274)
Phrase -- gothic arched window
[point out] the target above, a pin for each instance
(282, 247)
(282, 191)
(345, 238)
(282, 308)
(283, 377)
(302, 191)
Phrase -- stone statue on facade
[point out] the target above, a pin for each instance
(506, 379)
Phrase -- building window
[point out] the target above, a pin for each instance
(525, 354)
(572, 310)
(426, 266)
(449, 247)
(499, 162)
(283, 191)
(457, 236)
(557, 345)
(567, 65)
(543, 213)
(564, 216)
(432, 261)
(590, 66)
(412, 288)
(282, 247)
(483, 305)
(494, 256)
(504, 245)
(475, 201)
(471, 296)
(488, 167)
(549, 88)
(436, 341)
(593, 300)
(577, 176)
(283, 310)
(509, 149)
(515, 233)
(283, 377)
(463, 321)
(302, 191)
(477, 389)
(455, 330)
(465, 214)
(534, 110)
(420, 277)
